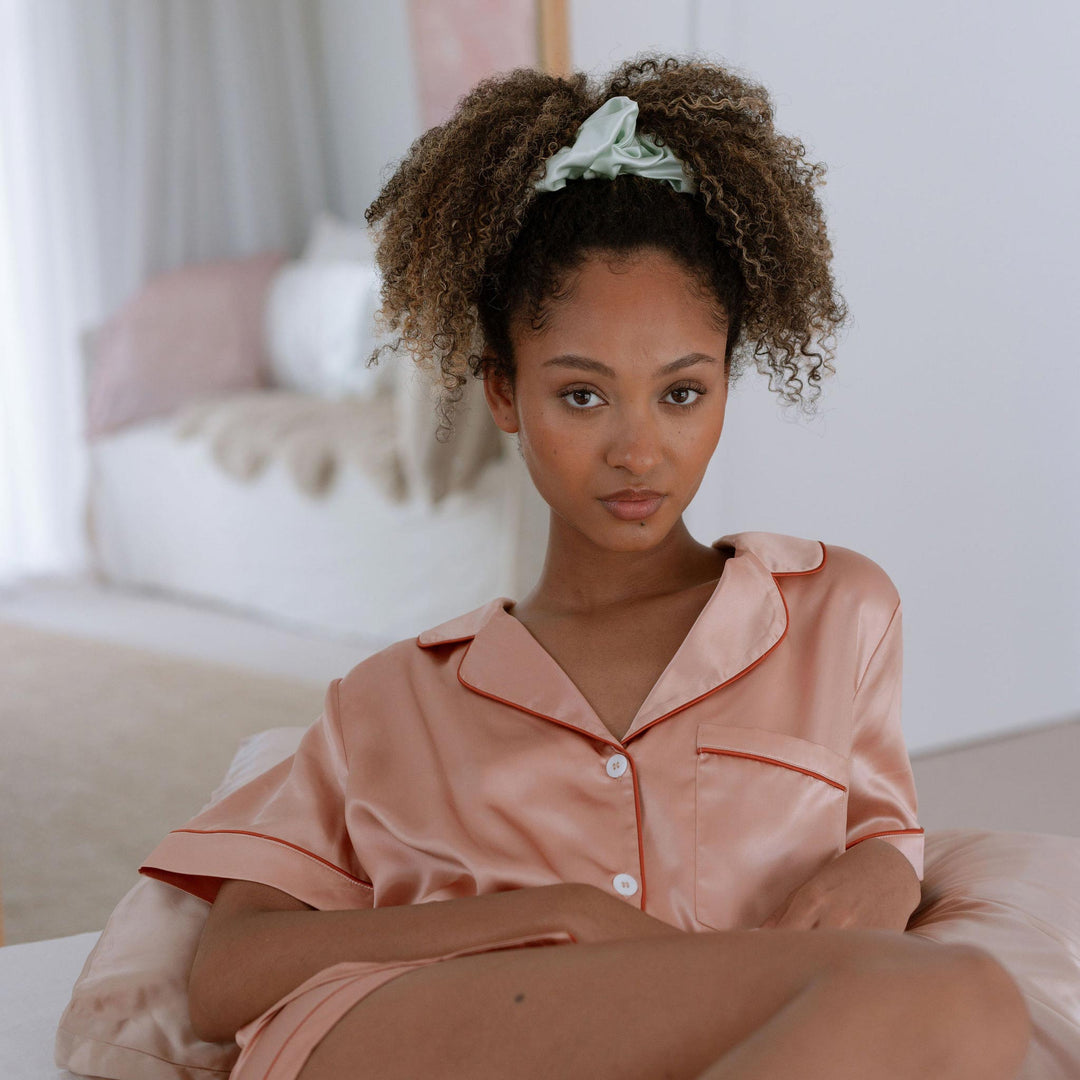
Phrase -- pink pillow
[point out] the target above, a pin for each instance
(193, 332)
(128, 1015)
(1016, 895)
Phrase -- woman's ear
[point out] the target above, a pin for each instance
(499, 394)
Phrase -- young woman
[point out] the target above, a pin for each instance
(583, 833)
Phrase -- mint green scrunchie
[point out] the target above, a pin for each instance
(606, 144)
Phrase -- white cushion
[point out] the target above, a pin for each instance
(320, 329)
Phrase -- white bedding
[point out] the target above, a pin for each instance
(35, 986)
(165, 516)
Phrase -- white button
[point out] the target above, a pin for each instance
(616, 765)
(625, 884)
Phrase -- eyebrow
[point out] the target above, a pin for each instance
(583, 363)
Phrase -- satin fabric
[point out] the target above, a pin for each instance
(1016, 895)
(607, 144)
(465, 761)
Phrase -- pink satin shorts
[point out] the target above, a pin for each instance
(276, 1044)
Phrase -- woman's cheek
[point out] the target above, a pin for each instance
(559, 440)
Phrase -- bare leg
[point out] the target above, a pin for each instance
(714, 1006)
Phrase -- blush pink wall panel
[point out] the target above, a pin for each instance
(456, 43)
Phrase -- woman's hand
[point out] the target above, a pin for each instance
(594, 916)
(872, 886)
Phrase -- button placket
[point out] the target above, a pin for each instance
(617, 766)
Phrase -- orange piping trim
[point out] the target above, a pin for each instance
(533, 712)
(469, 634)
(686, 705)
(771, 761)
(887, 832)
(285, 843)
(738, 674)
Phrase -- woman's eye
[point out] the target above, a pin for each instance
(574, 397)
(681, 391)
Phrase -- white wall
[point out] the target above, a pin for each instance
(947, 449)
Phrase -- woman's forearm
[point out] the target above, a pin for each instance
(253, 959)
(871, 886)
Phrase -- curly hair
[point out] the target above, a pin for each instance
(466, 246)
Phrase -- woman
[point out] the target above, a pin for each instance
(543, 838)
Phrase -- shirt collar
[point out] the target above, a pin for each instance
(744, 618)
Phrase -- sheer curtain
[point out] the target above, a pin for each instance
(134, 137)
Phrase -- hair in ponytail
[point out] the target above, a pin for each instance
(466, 245)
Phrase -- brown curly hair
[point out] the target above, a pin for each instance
(466, 246)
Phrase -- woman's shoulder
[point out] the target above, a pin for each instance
(826, 565)
(859, 571)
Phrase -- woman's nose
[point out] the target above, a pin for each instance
(634, 445)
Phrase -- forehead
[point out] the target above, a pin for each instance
(645, 303)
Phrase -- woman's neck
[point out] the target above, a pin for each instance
(581, 578)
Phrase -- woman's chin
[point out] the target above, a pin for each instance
(616, 535)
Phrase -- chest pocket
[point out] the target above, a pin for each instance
(771, 809)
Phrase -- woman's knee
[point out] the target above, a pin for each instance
(983, 1025)
(962, 1013)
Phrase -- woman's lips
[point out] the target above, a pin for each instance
(633, 509)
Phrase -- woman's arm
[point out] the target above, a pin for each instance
(875, 883)
(872, 886)
(259, 943)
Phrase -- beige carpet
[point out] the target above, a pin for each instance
(103, 749)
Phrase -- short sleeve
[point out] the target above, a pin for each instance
(285, 828)
(882, 801)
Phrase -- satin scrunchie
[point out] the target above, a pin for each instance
(607, 144)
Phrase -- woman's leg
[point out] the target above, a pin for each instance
(812, 1004)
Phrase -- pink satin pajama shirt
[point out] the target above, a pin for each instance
(465, 761)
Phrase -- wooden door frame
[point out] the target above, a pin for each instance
(554, 36)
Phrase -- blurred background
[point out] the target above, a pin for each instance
(210, 507)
